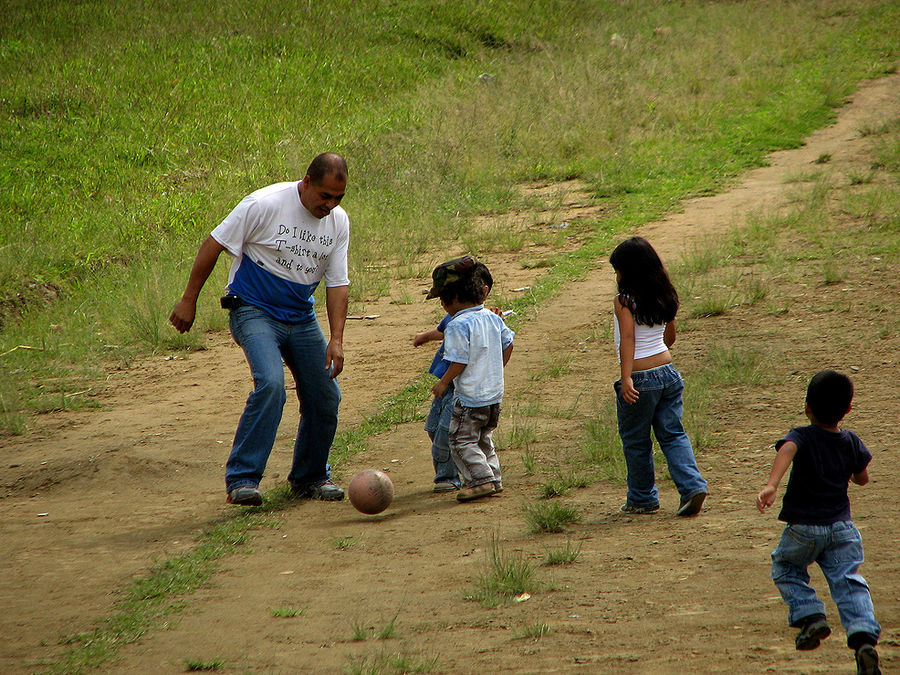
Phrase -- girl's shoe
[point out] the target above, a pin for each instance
(692, 505)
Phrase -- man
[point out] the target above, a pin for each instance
(285, 238)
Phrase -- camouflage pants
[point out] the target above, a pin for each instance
(471, 445)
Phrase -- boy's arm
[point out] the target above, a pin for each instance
(427, 336)
(441, 385)
(861, 478)
(783, 459)
(507, 353)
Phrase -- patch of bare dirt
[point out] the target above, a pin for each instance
(91, 500)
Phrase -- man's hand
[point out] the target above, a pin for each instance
(182, 317)
(765, 498)
(334, 358)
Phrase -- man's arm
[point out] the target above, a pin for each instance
(783, 459)
(182, 317)
(336, 300)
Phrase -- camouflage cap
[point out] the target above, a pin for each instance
(448, 272)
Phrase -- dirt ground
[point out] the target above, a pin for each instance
(90, 500)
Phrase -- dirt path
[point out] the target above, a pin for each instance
(92, 499)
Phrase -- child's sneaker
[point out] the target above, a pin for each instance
(325, 491)
(246, 495)
(467, 494)
(444, 486)
(498, 487)
(867, 661)
(812, 633)
(628, 507)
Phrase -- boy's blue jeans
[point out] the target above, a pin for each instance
(659, 407)
(438, 428)
(837, 548)
(266, 342)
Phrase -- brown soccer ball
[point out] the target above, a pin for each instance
(371, 491)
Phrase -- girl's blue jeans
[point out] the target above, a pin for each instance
(267, 343)
(837, 548)
(659, 407)
(438, 428)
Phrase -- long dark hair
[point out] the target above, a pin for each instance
(644, 287)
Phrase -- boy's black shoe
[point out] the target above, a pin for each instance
(813, 632)
(867, 661)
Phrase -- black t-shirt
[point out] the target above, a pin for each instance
(816, 492)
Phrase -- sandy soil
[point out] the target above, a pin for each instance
(90, 500)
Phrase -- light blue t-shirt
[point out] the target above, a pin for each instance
(477, 337)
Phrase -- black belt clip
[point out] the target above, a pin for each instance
(230, 301)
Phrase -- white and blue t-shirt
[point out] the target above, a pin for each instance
(281, 251)
(477, 337)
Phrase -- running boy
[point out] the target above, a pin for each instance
(477, 344)
(823, 458)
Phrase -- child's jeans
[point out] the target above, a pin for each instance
(837, 548)
(471, 445)
(659, 407)
(438, 428)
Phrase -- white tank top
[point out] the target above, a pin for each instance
(648, 340)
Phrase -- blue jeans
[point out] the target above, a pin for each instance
(837, 548)
(438, 428)
(659, 407)
(266, 342)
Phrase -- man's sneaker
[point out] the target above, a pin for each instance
(444, 486)
(246, 495)
(692, 505)
(634, 508)
(467, 494)
(867, 661)
(812, 633)
(325, 491)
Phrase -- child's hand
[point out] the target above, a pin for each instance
(629, 393)
(420, 339)
(438, 389)
(765, 498)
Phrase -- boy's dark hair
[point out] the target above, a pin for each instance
(469, 288)
(483, 274)
(829, 396)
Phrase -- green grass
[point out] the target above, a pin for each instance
(550, 516)
(150, 599)
(196, 665)
(392, 663)
(287, 612)
(506, 576)
(568, 555)
(120, 148)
